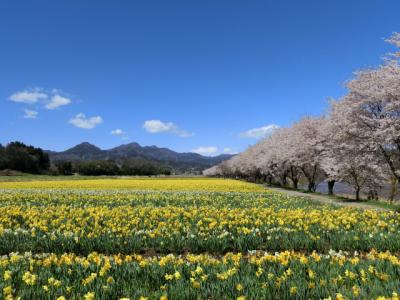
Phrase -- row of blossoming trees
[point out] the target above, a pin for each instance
(357, 142)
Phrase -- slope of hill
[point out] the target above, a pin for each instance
(175, 160)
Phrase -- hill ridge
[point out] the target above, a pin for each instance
(183, 161)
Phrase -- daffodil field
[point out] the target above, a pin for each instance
(190, 238)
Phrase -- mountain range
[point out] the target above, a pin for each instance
(179, 162)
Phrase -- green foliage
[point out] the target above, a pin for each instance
(128, 167)
(20, 157)
(64, 167)
(101, 167)
(142, 167)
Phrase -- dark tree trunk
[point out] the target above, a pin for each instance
(311, 177)
(331, 184)
(295, 183)
(390, 163)
(311, 186)
(294, 176)
(358, 194)
(393, 189)
(264, 178)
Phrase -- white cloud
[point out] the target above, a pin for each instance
(30, 114)
(228, 151)
(117, 132)
(28, 96)
(57, 101)
(157, 126)
(81, 121)
(50, 99)
(257, 133)
(208, 151)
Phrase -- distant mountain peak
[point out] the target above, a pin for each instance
(85, 146)
(179, 162)
(129, 145)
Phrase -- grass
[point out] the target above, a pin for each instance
(383, 203)
(374, 203)
(379, 203)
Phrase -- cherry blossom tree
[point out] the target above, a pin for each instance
(305, 150)
(347, 158)
(371, 110)
(357, 143)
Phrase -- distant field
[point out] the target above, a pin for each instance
(188, 238)
(31, 177)
(28, 177)
(165, 184)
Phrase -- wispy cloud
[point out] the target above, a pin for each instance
(117, 132)
(260, 132)
(49, 99)
(29, 96)
(229, 151)
(120, 133)
(158, 126)
(30, 114)
(81, 121)
(57, 101)
(207, 151)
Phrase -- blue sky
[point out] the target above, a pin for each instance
(188, 75)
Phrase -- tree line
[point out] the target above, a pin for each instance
(20, 157)
(130, 166)
(357, 141)
(23, 158)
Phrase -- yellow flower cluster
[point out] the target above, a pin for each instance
(197, 238)
(224, 220)
(354, 275)
(170, 184)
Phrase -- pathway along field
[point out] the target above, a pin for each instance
(189, 239)
(324, 199)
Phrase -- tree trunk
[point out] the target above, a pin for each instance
(310, 178)
(331, 184)
(393, 190)
(295, 183)
(311, 186)
(293, 174)
(390, 163)
(283, 181)
(357, 194)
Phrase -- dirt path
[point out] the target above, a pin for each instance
(326, 199)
